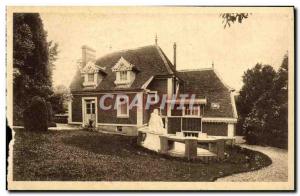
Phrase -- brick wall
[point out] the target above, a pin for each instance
(104, 116)
(110, 116)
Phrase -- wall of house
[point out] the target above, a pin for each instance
(104, 116)
(176, 111)
(76, 108)
(146, 113)
(110, 116)
(159, 85)
(127, 130)
(216, 129)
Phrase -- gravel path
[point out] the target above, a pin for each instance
(276, 172)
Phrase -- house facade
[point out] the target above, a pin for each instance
(105, 90)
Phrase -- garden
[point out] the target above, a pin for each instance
(94, 156)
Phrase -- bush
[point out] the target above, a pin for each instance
(57, 102)
(35, 115)
(279, 140)
(252, 139)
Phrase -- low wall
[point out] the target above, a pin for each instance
(61, 118)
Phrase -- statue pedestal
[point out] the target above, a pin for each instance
(149, 139)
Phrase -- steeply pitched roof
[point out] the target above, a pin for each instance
(206, 83)
(149, 60)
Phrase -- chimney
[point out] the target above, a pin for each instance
(156, 39)
(174, 60)
(88, 54)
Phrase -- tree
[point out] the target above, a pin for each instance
(53, 53)
(59, 99)
(31, 61)
(256, 81)
(262, 105)
(230, 18)
(36, 115)
(280, 92)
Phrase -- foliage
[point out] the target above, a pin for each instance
(230, 18)
(57, 102)
(50, 115)
(53, 52)
(59, 99)
(263, 105)
(36, 115)
(33, 60)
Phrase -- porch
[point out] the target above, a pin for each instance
(187, 125)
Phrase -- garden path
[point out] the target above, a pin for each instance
(276, 172)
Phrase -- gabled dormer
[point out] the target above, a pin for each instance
(125, 73)
(93, 74)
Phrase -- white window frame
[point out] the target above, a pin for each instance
(88, 77)
(119, 114)
(184, 114)
(118, 78)
(90, 83)
(125, 74)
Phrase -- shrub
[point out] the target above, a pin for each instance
(57, 101)
(35, 115)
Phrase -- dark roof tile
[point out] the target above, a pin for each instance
(206, 83)
(147, 60)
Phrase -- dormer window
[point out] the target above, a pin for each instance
(91, 77)
(93, 74)
(125, 73)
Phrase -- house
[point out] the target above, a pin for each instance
(103, 91)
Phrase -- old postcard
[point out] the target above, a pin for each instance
(150, 98)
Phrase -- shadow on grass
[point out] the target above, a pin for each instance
(105, 144)
(82, 155)
(120, 145)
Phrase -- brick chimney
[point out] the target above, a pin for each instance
(88, 54)
(174, 60)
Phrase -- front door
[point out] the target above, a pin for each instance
(90, 113)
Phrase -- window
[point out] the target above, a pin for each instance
(90, 77)
(123, 107)
(194, 111)
(90, 107)
(123, 75)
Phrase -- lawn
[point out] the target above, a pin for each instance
(93, 156)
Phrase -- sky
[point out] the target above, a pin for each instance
(200, 37)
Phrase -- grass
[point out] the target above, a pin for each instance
(94, 156)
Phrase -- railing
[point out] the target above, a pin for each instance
(186, 124)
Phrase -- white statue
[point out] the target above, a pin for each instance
(155, 123)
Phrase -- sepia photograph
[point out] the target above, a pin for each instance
(150, 98)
